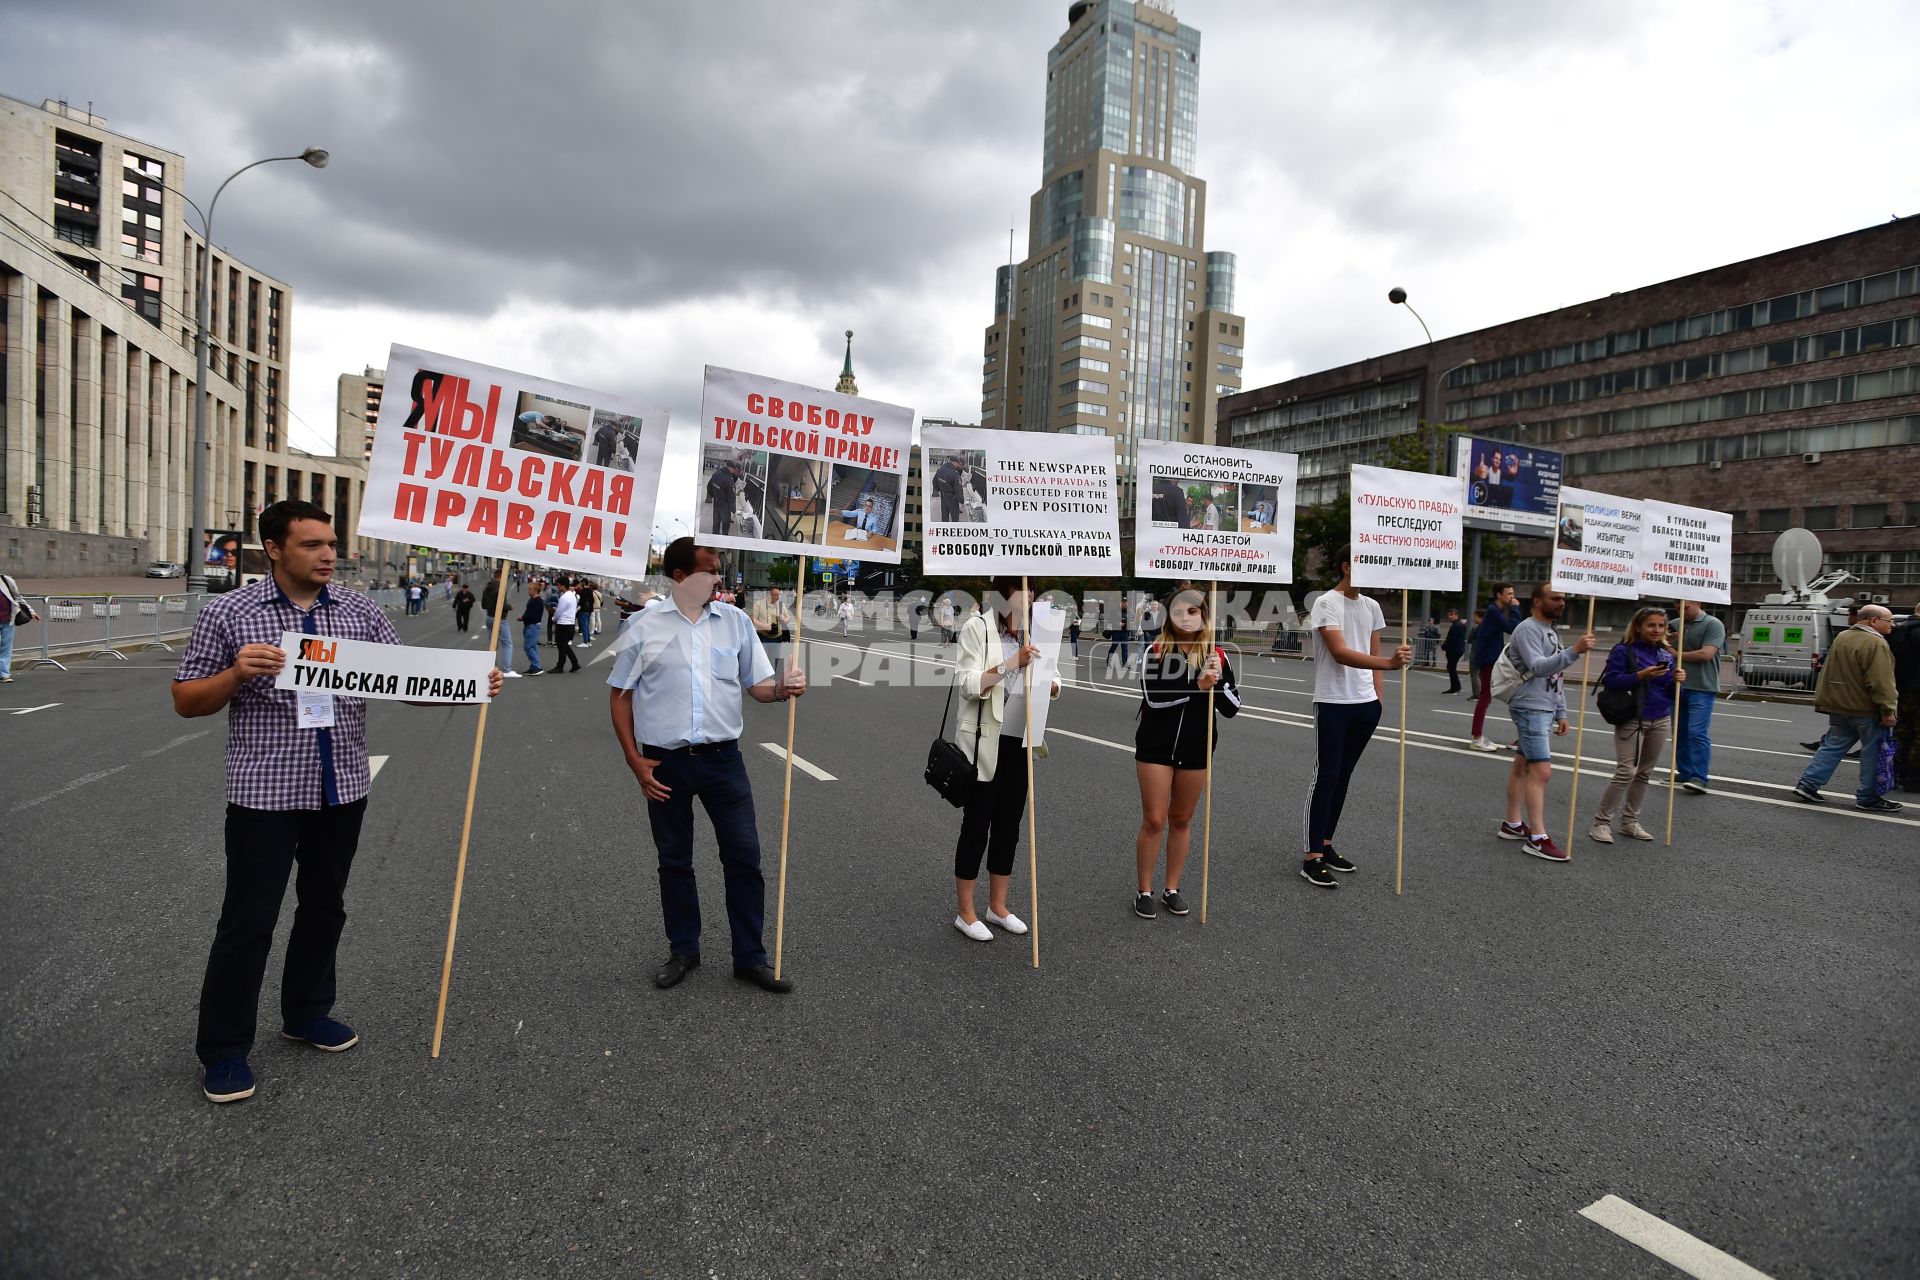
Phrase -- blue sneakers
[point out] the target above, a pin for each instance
(323, 1033)
(228, 1080)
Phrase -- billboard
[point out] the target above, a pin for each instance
(1511, 488)
(220, 558)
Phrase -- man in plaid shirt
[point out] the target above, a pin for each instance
(296, 791)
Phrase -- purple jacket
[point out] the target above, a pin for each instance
(1621, 672)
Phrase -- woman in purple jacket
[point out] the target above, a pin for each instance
(1642, 664)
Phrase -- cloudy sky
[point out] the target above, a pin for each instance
(617, 192)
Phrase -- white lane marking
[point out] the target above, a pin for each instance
(373, 766)
(802, 765)
(1733, 715)
(27, 711)
(180, 741)
(1718, 746)
(865, 684)
(1453, 746)
(1667, 1242)
(1087, 738)
(75, 785)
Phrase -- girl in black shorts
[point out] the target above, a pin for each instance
(1170, 746)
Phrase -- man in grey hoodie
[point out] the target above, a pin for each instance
(1539, 709)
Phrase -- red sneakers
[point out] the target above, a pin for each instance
(1544, 847)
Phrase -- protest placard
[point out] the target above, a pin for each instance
(798, 471)
(383, 672)
(1687, 554)
(1597, 544)
(1023, 502)
(1206, 512)
(508, 466)
(1406, 530)
(1049, 625)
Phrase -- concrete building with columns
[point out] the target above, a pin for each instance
(98, 272)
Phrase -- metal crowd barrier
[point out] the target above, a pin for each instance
(72, 626)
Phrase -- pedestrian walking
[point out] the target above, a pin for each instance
(552, 597)
(683, 665)
(1455, 647)
(14, 612)
(297, 781)
(531, 616)
(1705, 636)
(1347, 690)
(415, 598)
(1497, 622)
(992, 676)
(565, 612)
(1857, 692)
(1641, 666)
(495, 603)
(589, 597)
(462, 607)
(944, 614)
(1183, 668)
(846, 613)
(1539, 711)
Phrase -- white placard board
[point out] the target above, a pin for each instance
(1202, 512)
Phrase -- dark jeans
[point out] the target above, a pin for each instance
(563, 638)
(719, 780)
(263, 846)
(461, 614)
(1453, 673)
(1341, 731)
(990, 823)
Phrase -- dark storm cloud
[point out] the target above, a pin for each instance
(612, 154)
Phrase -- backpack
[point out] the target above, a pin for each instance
(1508, 675)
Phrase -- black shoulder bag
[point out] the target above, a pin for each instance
(1620, 706)
(948, 770)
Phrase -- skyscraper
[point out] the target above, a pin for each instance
(1120, 323)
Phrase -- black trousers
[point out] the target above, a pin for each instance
(563, 639)
(990, 823)
(1453, 673)
(461, 614)
(719, 781)
(1341, 733)
(263, 847)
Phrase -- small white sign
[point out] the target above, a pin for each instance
(323, 667)
(1406, 530)
(1049, 624)
(1687, 554)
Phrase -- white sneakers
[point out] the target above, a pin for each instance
(977, 930)
(511, 675)
(1484, 743)
(1010, 922)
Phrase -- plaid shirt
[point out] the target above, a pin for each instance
(272, 763)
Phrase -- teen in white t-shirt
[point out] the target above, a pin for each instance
(1347, 666)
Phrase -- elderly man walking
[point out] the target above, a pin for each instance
(1857, 692)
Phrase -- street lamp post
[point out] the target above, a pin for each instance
(1398, 297)
(196, 553)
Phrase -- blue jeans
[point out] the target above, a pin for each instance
(6, 648)
(586, 627)
(720, 781)
(1695, 746)
(1535, 730)
(505, 649)
(530, 638)
(1842, 733)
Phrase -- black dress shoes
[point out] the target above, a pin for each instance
(762, 977)
(676, 968)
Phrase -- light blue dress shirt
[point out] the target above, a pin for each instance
(871, 521)
(688, 677)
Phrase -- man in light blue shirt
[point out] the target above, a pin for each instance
(680, 668)
(866, 519)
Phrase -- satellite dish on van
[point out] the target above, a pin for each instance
(1796, 558)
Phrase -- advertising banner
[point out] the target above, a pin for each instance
(1510, 488)
(1687, 554)
(795, 470)
(220, 558)
(383, 672)
(1596, 545)
(1204, 512)
(1024, 502)
(1406, 530)
(470, 458)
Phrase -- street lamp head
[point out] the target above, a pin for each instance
(1396, 295)
(316, 156)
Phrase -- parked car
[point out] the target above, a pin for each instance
(166, 569)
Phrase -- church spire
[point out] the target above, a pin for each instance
(846, 385)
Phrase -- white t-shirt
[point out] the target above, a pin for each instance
(566, 610)
(1359, 621)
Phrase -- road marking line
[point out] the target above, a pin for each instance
(1718, 746)
(373, 766)
(1667, 1242)
(180, 741)
(865, 684)
(800, 764)
(1065, 733)
(75, 785)
(27, 711)
(1734, 715)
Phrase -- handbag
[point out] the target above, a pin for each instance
(1620, 706)
(949, 772)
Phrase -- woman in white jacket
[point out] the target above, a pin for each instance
(992, 678)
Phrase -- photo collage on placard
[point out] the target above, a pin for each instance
(1184, 502)
(861, 509)
(751, 493)
(958, 487)
(1570, 533)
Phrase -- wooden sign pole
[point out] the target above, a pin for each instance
(1580, 734)
(1679, 635)
(1206, 826)
(1033, 834)
(786, 799)
(1400, 817)
(466, 822)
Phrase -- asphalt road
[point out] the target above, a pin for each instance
(1313, 1083)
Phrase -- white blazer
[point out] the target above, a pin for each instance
(979, 653)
